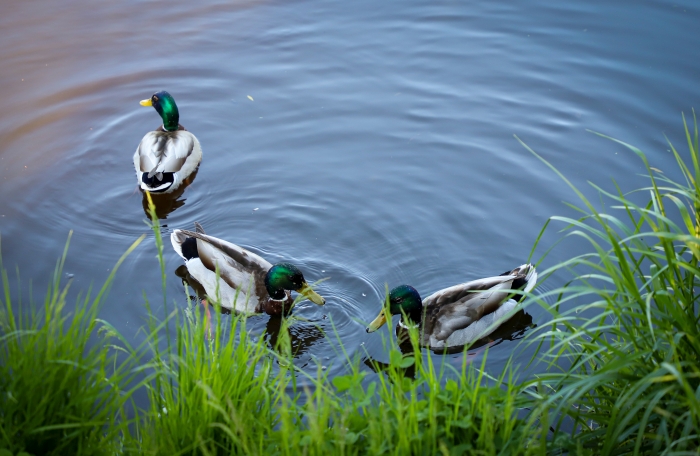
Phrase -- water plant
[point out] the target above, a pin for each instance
(623, 344)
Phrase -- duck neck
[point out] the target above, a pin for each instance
(169, 113)
(412, 318)
(277, 307)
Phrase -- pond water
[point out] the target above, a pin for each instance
(367, 142)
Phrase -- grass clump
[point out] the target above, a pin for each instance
(623, 345)
(212, 395)
(241, 397)
(409, 408)
(60, 391)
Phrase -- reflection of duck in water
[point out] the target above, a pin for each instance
(166, 203)
(167, 156)
(301, 336)
(460, 314)
(248, 283)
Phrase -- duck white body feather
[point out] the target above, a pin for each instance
(164, 159)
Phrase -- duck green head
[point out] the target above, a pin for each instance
(164, 103)
(403, 299)
(286, 276)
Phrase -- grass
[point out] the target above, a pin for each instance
(618, 363)
(624, 373)
(61, 392)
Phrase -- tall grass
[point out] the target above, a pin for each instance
(62, 390)
(426, 412)
(623, 344)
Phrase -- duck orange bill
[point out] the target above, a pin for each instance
(146, 102)
(307, 292)
(377, 322)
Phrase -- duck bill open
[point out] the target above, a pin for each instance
(377, 322)
(146, 102)
(307, 292)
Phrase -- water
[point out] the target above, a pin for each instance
(378, 147)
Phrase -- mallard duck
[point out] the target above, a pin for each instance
(261, 287)
(167, 156)
(460, 314)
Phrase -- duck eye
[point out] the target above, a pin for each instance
(155, 98)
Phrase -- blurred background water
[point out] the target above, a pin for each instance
(377, 148)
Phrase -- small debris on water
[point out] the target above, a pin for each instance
(364, 294)
(250, 98)
(256, 208)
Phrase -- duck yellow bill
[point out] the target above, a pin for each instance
(311, 295)
(146, 102)
(377, 322)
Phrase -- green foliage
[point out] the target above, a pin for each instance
(624, 340)
(408, 409)
(61, 388)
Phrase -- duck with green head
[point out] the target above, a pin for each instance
(246, 283)
(166, 157)
(460, 314)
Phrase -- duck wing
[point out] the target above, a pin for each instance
(164, 151)
(459, 306)
(235, 263)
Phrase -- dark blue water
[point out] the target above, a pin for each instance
(378, 148)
